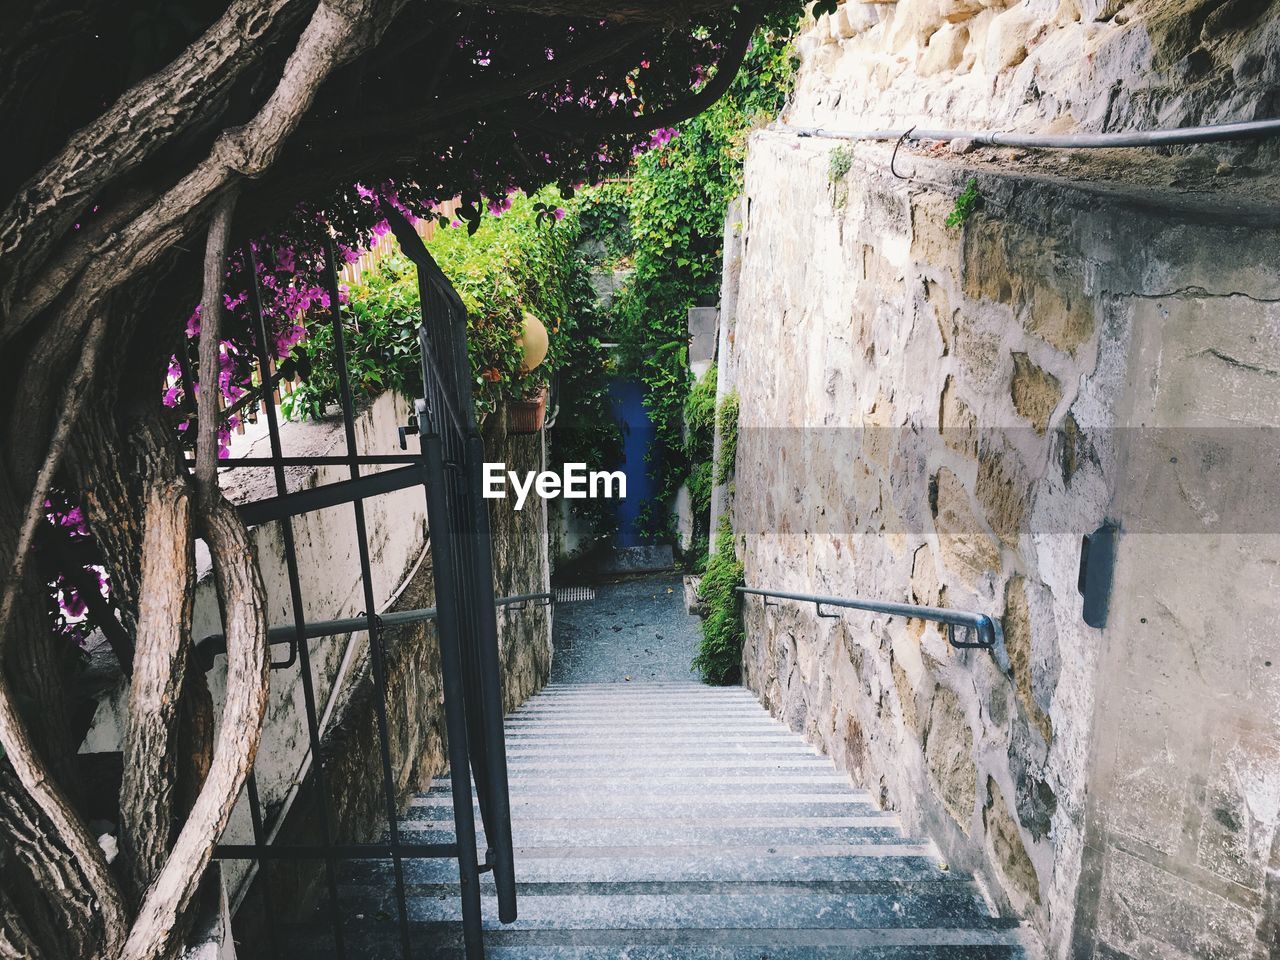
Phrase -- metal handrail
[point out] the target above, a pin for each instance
(215, 643)
(985, 628)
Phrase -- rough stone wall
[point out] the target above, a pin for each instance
(1040, 65)
(936, 415)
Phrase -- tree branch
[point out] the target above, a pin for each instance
(141, 122)
(215, 267)
(338, 31)
(243, 597)
(14, 737)
(462, 101)
(159, 665)
(647, 11)
(164, 617)
(736, 48)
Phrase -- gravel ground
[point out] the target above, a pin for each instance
(634, 630)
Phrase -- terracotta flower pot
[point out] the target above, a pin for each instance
(527, 416)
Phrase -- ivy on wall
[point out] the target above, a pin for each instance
(674, 206)
(700, 422)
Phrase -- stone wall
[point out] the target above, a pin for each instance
(936, 415)
(1040, 65)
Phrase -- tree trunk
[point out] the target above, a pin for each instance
(160, 661)
(243, 597)
(43, 883)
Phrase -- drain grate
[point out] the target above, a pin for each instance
(573, 594)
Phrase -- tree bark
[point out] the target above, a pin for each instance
(31, 771)
(162, 645)
(58, 902)
(140, 123)
(338, 31)
(243, 599)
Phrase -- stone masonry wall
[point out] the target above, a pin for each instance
(1040, 65)
(936, 415)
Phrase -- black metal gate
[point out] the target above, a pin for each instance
(449, 465)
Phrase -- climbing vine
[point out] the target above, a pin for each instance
(719, 656)
(700, 420)
(675, 205)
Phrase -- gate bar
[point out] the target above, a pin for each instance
(377, 653)
(298, 651)
(215, 643)
(464, 825)
(330, 495)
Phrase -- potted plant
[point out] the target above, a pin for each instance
(527, 410)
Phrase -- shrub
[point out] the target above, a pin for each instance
(719, 657)
(727, 424)
(966, 203)
(520, 261)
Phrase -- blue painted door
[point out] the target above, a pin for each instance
(626, 398)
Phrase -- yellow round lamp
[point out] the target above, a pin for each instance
(533, 341)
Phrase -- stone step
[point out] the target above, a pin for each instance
(656, 751)
(660, 785)
(671, 765)
(380, 938)
(733, 807)
(953, 906)
(440, 819)
(673, 821)
(788, 864)
(658, 833)
(763, 740)
(622, 728)
(636, 701)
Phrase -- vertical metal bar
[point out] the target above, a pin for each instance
(447, 629)
(277, 452)
(264, 882)
(300, 645)
(377, 651)
(498, 827)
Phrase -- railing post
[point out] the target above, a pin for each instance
(448, 623)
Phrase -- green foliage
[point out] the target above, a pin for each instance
(839, 163)
(585, 430)
(676, 204)
(700, 421)
(966, 203)
(700, 416)
(727, 425)
(719, 657)
(605, 227)
(519, 262)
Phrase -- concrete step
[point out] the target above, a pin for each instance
(674, 821)
(549, 865)
(612, 833)
(817, 807)
(952, 907)
(443, 939)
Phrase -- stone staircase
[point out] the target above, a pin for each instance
(666, 821)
